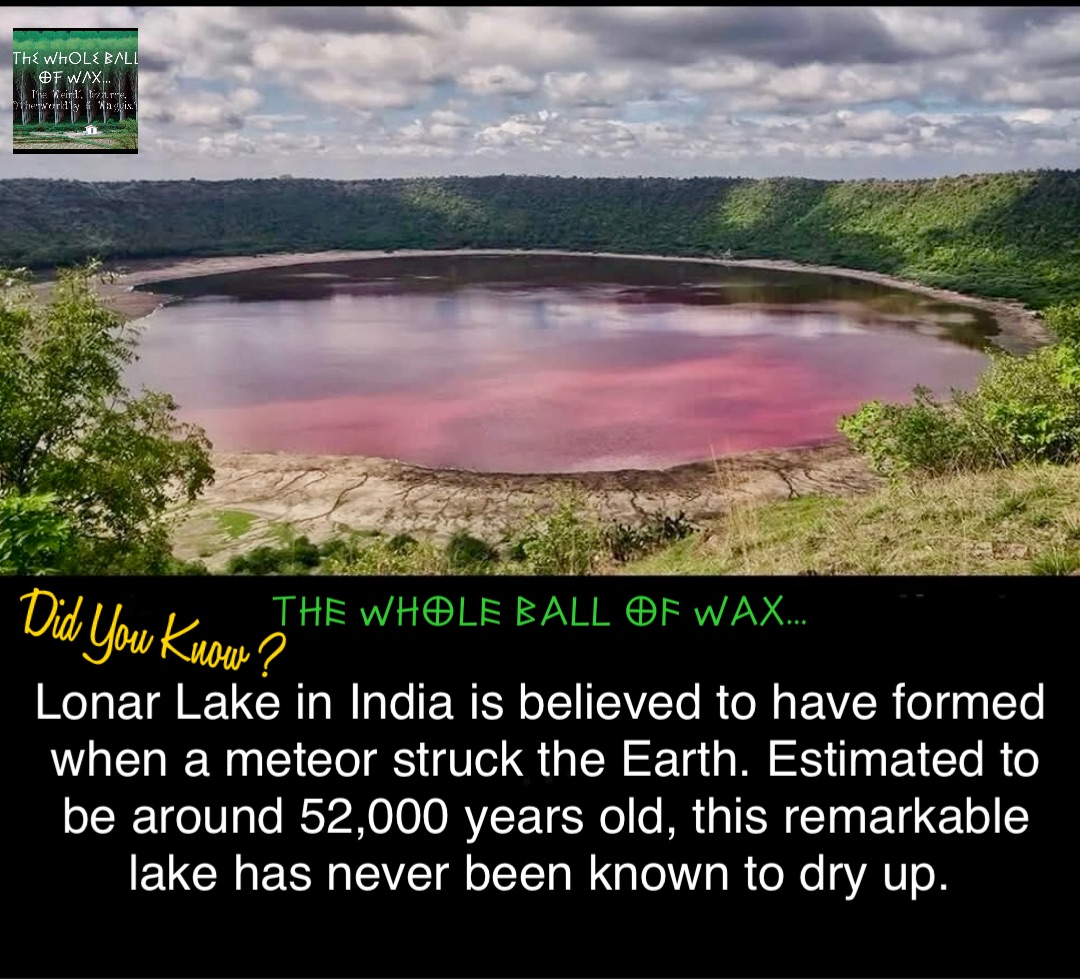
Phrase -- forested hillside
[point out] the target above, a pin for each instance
(1013, 235)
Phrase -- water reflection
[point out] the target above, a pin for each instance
(524, 364)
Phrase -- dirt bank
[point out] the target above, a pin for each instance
(323, 495)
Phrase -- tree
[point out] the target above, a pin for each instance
(34, 536)
(111, 461)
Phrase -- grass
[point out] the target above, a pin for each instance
(235, 523)
(1018, 521)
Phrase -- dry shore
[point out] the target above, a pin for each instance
(323, 495)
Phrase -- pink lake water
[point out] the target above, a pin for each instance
(524, 364)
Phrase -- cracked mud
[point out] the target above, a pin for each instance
(323, 496)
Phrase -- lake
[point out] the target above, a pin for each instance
(530, 363)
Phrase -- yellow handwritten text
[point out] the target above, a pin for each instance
(111, 634)
(119, 637)
(166, 642)
(67, 627)
(212, 655)
(229, 658)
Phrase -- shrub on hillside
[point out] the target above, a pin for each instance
(398, 555)
(568, 542)
(1024, 409)
(470, 554)
(627, 542)
(299, 556)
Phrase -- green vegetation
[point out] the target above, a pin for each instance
(466, 553)
(947, 510)
(574, 541)
(33, 534)
(401, 554)
(567, 542)
(297, 557)
(627, 543)
(1024, 409)
(1023, 520)
(1013, 235)
(235, 523)
(570, 540)
(87, 470)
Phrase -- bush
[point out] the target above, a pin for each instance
(356, 554)
(1024, 409)
(467, 553)
(1030, 406)
(337, 549)
(400, 555)
(262, 560)
(304, 553)
(1064, 322)
(297, 557)
(188, 568)
(924, 435)
(401, 544)
(569, 542)
(625, 543)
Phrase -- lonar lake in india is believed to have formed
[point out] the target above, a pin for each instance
(543, 364)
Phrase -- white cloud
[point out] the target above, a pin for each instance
(226, 145)
(752, 90)
(585, 88)
(498, 80)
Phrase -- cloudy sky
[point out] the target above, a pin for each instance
(356, 92)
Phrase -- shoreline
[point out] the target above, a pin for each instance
(321, 495)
